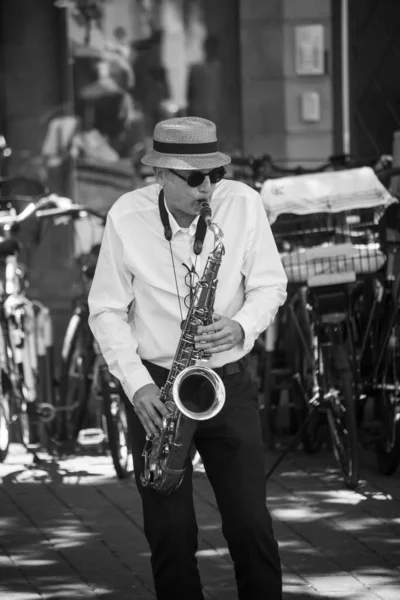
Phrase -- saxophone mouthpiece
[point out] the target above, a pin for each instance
(205, 211)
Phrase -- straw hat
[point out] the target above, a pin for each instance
(185, 143)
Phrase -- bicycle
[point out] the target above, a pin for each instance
(91, 406)
(325, 253)
(375, 306)
(26, 390)
(255, 170)
(324, 382)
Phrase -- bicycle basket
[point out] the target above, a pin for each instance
(326, 239)
(330, 248)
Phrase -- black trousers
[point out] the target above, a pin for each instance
(230, 446)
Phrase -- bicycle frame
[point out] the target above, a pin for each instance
(383, 317)
(330, 333)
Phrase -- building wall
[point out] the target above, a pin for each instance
(33, 78)
(271, 88)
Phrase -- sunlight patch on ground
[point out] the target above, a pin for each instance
(72, 592)
(379, 496)
(374, 572)
(337, 496)
(359, 524)
(210, 527)
(68, 533)
(63, 544)
(209, 552)
(301, 513)
(327, 473)
(346, 497)
(8, 523)
(32, 562)
(293, 545)
(339, 582)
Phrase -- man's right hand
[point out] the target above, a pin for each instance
(149, 408)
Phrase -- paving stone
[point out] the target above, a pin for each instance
(70, 529)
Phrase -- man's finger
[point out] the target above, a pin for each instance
(202, 342)
(145, 426)
(161, 408)
(148, 424)
(147, 430)
(221, 348)
(212, 328)
(154, 416)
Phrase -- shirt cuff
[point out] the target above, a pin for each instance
(245, 323)
(140, 378)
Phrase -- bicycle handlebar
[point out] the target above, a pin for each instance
(75, 211)
(264, 166)
(50, 206)
(265, 162)
(8, 220)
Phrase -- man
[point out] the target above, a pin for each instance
(148, 263)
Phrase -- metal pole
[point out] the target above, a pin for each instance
(345, 76)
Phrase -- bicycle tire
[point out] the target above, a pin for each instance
(388, 446)
(5, 424)
(389, 460)
(74, 385)
(22, 422)
(313, 435)
(117, 424)
(22, 410)
(341, 414)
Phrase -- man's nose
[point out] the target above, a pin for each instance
(206, 185)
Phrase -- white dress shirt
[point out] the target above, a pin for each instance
(135, 270)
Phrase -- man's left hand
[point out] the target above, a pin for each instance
(220, 336)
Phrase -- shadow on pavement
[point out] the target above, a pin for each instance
(71, 529)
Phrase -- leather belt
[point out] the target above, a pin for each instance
(232, 368)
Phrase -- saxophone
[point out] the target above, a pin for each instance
(192, 392)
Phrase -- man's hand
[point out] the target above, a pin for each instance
(221, 335)
(149, 408)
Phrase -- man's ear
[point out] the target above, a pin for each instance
(159, 173)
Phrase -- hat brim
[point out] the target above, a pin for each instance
(187, 161)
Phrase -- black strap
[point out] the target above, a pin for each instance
(179, 149)
(200, 229)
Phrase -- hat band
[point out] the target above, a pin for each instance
(179, 149)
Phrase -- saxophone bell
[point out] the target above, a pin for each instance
(198, 392)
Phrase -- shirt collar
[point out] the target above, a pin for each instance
(175, 228)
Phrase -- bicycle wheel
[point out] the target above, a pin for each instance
(299, 344)
(117, 423)
(339, 400)
(388, 447)
(5, 424)
(76, 363)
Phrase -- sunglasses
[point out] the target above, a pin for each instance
(195, 179)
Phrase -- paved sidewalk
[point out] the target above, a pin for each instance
(71, 530)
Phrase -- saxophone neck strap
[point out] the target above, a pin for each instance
(200, 229)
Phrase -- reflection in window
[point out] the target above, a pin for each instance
(136, 62)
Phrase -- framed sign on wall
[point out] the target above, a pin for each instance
(309, 50)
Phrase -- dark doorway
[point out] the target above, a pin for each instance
(374, 56)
